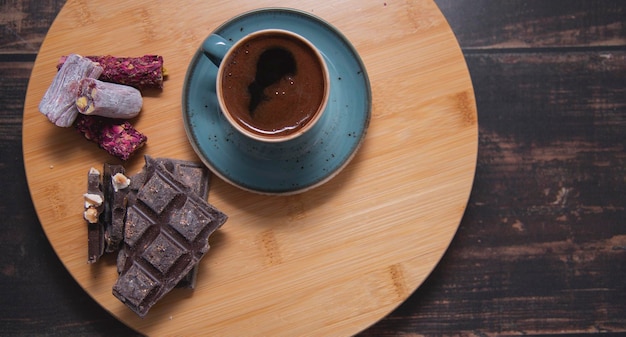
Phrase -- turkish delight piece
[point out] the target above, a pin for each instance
(140, 72)
(58, 103)
(94, 206)
(108, 99)
(118, 137)
(165, 235)
(115, 188)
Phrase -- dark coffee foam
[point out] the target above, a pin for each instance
(273, 84)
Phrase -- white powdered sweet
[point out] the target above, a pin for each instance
(59, 101)
(108, 99)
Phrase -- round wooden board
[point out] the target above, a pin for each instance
(332, 260)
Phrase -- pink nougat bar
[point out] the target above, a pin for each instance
(118, 137)
(140, 72)
(59, 101)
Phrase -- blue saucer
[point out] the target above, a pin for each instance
(293, 166)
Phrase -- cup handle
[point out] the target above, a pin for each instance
(215, 47)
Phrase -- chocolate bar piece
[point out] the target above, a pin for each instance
(140, 72)
(118, 137)
(94, 206)
(197, 177)
(58, 103)
(136, 182)
(194, 175)
(115, 193)
(106, 99)
(166, 234)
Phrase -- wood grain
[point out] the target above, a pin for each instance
(547, 208)
(332, 260)
(487, 25)
(555, 277)
(23, 25)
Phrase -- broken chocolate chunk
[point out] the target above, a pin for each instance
(192, 174)
(114, 207)
(95, 229)
(166, 234)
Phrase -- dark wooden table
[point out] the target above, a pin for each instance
(542, 246)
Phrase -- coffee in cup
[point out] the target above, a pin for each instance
(272, 85)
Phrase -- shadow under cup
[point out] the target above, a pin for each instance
(272, 85)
